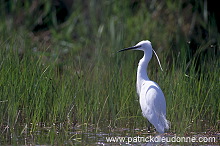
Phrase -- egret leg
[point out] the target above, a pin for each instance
(148, 127)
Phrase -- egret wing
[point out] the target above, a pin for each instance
(153, 105)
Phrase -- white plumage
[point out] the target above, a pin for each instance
(151, 97)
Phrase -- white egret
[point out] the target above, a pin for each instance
(151, 97)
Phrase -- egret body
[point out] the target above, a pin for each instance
(151, 97)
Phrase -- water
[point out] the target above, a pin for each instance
(67, 134)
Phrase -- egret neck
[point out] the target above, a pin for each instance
(142, 71)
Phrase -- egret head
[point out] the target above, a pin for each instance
(146, 47)
(143, 46)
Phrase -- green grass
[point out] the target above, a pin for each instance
(85, 81)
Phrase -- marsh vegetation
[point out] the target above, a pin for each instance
(63, 82)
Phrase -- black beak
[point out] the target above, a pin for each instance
(130, 48)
